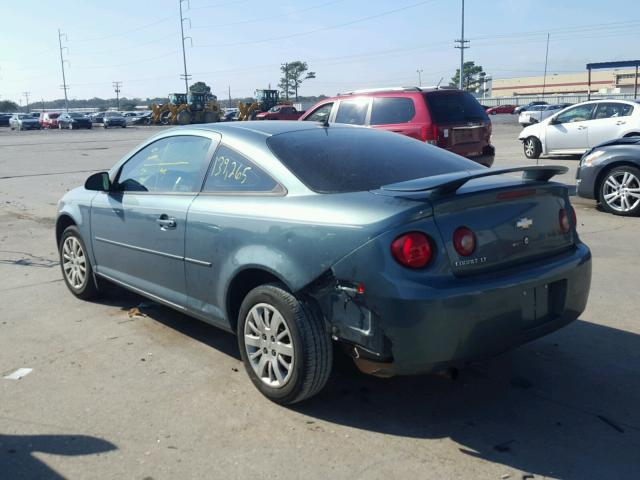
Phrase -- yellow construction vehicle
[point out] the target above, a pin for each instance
(265, 99)
(183, 109)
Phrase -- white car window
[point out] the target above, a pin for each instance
(579, 113)
(612, 110)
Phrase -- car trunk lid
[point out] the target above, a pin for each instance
(514, 220)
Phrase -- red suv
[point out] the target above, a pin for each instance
(449, 118)
(49, 119)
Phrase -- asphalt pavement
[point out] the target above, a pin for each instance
(125, 388)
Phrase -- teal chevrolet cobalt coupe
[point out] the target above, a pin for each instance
(297, 236)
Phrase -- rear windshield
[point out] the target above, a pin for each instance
(339, 160)
(453, 107)
(53, 115)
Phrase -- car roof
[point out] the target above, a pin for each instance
(262, 127)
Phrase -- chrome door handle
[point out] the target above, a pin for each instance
(582, 128)
(166, 222)
(620, 123)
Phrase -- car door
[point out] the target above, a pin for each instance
(138, 228)
(609, 121)
(222, 225)
(568, 130)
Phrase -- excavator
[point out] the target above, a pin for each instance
(184, 109)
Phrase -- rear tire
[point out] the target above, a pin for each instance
(532, 148)
(75, 265)
(285, 347)
(619, 191)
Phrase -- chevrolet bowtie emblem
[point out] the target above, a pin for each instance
(524, 223)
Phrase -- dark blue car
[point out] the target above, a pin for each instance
(297, 235)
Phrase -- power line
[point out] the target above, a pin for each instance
(219, 5)
(274, 17)
(322, 29)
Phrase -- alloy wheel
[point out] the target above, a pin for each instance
(622, 191)
(529, 147)
(74, 262)
(269, 345)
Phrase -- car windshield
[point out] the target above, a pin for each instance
(339, 160)
(53, 115)
(452, 107)
(76, 115)
(112, 114)
(274, 109)
(24, 116)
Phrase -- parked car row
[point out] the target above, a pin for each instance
(537, 113)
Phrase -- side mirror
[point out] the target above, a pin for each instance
(553, 121)
(99, 182)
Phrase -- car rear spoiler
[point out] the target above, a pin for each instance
(449, 183)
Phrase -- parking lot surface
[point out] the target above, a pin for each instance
(125, 388)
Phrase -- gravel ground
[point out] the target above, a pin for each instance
(151, 394)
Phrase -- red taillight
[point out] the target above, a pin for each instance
(429, 134)
(565, 223)
(574, 219)
(412, 249)
(464, 241)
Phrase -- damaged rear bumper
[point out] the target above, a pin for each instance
(401, 325)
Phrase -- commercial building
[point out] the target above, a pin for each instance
(619, 81)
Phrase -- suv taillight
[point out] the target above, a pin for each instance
(412, 249)
(565, 221)
(464, 241)
(429, 134)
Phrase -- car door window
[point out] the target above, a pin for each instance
(576, 114)
(172, 164)
(612, 110)
(353, 112)
(390, 110)
(233, 172)
(321, 113)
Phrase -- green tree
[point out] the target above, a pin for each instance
(8, 106)
(294, 73)
(474, 78)
(200, 87)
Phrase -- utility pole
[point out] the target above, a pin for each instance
(229, 96)
(286, 80)
(26, 97)
(42, 105)
(185, 75)
(116, 88)
(546, 59)
(462, 45)
(62, 60)
(419, 76)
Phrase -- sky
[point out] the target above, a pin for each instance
(348, 43)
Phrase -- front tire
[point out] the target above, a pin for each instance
(76, 267)
(619, 191)
(285, 347)
(532, 148)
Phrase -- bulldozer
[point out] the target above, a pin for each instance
(184, 109)
(265, 99)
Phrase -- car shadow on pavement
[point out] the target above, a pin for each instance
(18, 462)
(565, 406)
(198, 330)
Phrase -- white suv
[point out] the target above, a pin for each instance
(581, 127)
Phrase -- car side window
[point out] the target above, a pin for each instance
(576, 114)
(353, 112)
(613, 110)
(321, 113)
(172, 164)
(391, 110)
(233, 172)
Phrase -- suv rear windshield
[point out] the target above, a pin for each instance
(339, 160)
(452, 107)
